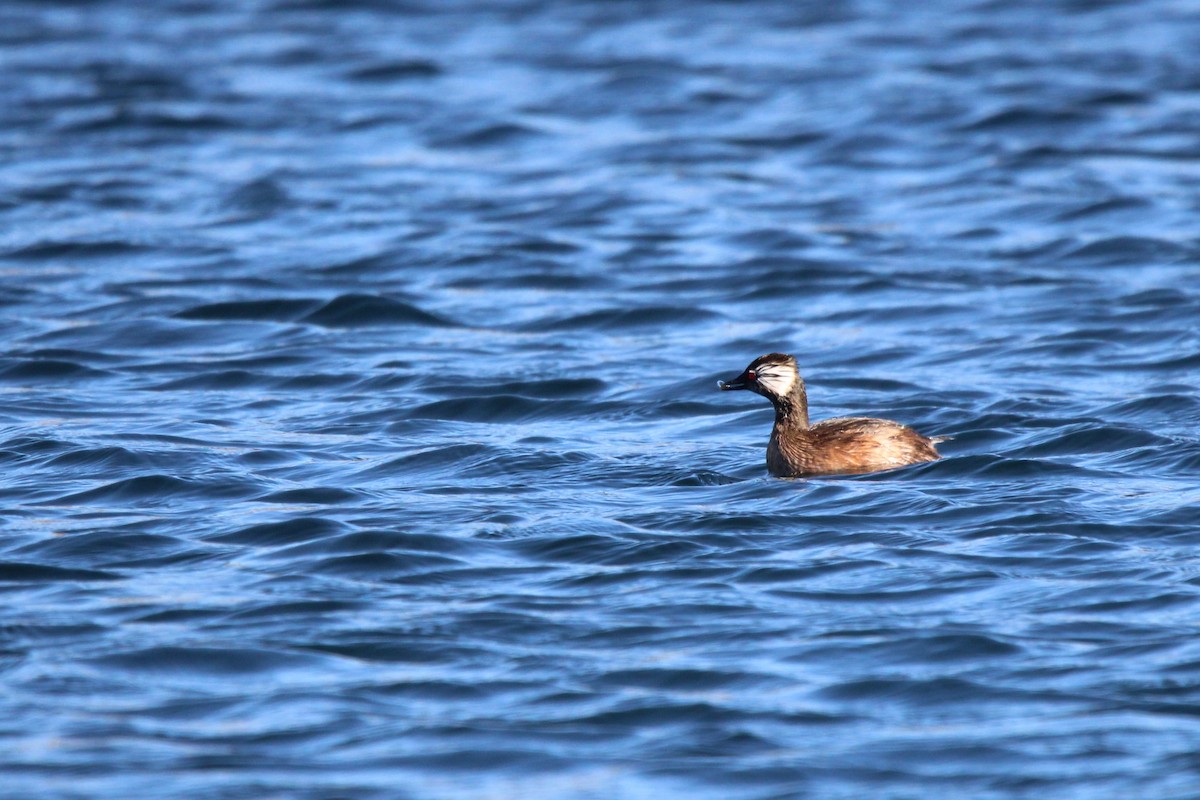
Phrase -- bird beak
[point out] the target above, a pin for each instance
(740, 382)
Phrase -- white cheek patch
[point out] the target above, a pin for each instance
(777, 380)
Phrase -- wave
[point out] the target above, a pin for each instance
(362, 310)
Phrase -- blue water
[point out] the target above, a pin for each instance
(360, 434)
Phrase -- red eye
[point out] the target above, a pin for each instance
(750, 374)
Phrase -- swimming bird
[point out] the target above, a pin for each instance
(845, 445)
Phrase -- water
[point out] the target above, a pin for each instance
(360, 432)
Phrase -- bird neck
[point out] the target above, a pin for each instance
(792, 411)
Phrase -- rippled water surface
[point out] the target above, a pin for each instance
(360, 436)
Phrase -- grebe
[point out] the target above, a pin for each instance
(846, 445)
